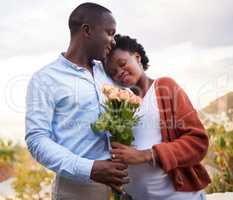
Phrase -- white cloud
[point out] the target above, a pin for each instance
(33, 27)
(201, 72)
(190, 41)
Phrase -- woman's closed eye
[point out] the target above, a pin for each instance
(121, 63)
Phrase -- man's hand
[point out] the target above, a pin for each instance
(110, 173)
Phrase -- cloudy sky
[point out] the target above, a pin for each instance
(188, 40)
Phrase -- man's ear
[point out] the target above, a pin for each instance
(86, 29)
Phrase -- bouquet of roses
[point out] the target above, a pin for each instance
(118, 119)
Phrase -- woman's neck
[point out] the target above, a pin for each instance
(142, 86)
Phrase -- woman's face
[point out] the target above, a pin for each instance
(124, 67)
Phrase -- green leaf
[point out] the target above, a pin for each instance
(221, 142)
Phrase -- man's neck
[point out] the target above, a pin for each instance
(79, 58)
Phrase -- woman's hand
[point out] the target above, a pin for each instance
(129, 155)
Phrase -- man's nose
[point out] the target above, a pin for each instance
(113, 42)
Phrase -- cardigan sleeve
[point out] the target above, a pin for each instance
(192, 141)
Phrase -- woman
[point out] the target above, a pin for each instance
(170, 140)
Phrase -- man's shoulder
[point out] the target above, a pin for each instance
(104, 76)
(44, 74)
(99, 64)
(46, 69)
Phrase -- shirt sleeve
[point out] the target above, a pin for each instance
(40, 108)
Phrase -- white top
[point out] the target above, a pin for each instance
(148, 183)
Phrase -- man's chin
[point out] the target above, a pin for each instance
(102, 59)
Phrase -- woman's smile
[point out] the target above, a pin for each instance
(124, 77)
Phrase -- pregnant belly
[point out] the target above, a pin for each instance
(147, 182)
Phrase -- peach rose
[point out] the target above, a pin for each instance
(124, 95)
(135, 100)
(113, 95)
(138, 100)
(107, 88)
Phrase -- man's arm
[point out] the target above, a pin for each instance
(39, 114)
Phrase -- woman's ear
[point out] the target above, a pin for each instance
(139, 58)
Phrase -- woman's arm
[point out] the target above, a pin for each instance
(192, 143)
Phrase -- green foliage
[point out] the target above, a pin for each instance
(118, 120)
(31, 179)
(220, 158)
(8, 152)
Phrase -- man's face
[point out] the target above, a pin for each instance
(102, 39)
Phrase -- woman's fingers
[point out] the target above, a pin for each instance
(117, 145)
(116, 156)
(116, 151)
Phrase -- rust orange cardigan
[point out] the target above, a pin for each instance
(184, 139)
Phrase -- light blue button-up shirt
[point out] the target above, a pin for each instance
(62, 101)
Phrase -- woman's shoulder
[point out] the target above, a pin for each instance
(166, 81)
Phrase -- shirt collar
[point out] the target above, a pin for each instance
(69, 63)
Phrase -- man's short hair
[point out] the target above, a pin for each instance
(86, 13)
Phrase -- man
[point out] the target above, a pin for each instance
(63, 99)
